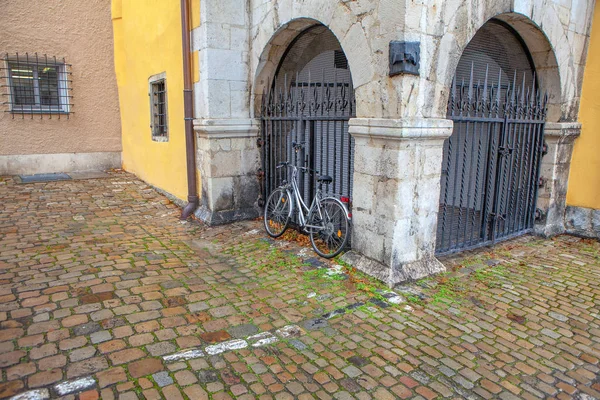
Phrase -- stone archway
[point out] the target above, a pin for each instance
(491, 161)
(542, 51)
(544, 48)
(305, 115)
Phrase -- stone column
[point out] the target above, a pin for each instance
(227, 159)
(552, 196)
(227, 154)
(397, 172)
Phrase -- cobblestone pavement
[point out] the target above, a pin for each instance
(104, 293)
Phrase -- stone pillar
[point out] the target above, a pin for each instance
(552, 196)
(226, 149)
(227, 159)
(397, 172)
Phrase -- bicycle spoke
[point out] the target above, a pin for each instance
(330, 239)
(277, 212)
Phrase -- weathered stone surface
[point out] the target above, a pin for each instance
(315, 323)
(87, 367)
(208, 376)
(42, 327)
(242, 331)
(19, 371)
(458, 335)
(10, 334)
(125, 356)
(145, 367)
(143, 316)
(582, 221)
(162, 379)
(161, 348)
(9, 389)
(11, 358)
(45, 378)
(87, 329)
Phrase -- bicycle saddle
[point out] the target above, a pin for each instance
(325, 179)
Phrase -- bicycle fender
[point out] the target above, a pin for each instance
(342, 204)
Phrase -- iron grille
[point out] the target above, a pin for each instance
(491, 162)
(314, 115)
(310, 102)
(159, 109)
(36, 85)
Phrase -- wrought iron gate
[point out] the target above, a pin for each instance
(491, 162)
(309, 104)
(313, 115)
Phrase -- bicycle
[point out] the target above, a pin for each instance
(327, 221)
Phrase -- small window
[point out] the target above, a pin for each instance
(37, 85)
(158, 108)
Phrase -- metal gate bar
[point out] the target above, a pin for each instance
(491, 162)
(314, 115)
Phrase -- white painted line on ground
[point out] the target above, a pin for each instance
(38, 394)
(77, 385)
(256, 340)
(335, 270)
(394, 298)
(262, 339)
(184, 355)
(219, 348)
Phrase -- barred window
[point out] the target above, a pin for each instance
(158, 107)
(36, 85)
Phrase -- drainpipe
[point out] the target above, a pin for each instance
(188, 106)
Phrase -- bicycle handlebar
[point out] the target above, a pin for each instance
(303, 169)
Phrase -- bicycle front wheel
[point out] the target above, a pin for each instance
(332, 237)
(278, 210)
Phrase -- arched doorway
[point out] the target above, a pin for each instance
(305, 114)
(491, 161)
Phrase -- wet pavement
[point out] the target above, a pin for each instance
(104, 293)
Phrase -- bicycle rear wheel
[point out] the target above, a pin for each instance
(331, 239)
(278, 210)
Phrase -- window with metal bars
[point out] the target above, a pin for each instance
(36, 84)
(158, 108)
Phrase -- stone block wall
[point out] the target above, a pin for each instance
(397, 171)
(554, 171)
(227, 159)
(400, 127)
(222, 43)
(555, 31)
(583, 222)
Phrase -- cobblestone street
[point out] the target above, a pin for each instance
(104, 293)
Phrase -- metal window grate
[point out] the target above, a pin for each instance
(159, 109)
(36, 85)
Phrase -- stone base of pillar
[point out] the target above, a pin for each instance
(228, 160)
(418, 269)
(212, 218)
(397, 172)
(396, 274)
(552, 196)
(584, 222)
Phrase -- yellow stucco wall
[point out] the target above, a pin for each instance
(584, 178)
(147, 38)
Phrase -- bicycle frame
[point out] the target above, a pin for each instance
(328, 233)
(303, 208)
